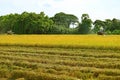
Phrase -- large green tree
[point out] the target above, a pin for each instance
(32, 23)
(112, 26)
(44, 24)
(108, 24)
(85, 25)
(98, 24)
(63, 19)
(115, 24)
(7, 22)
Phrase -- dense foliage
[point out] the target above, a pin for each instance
(86, 24)
(109, 26)
(32, 23)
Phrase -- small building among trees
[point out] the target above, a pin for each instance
(10, 32)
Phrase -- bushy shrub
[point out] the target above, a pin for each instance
(116, 32)
(108, 32)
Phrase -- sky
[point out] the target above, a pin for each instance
(97, 9)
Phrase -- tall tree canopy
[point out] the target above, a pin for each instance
(86, 24)
(64, 19)
(98, 24)
(32, 23)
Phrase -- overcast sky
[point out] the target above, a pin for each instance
(97, 9)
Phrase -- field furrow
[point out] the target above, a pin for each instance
(61, 63)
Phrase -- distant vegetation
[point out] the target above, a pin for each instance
(32, 23)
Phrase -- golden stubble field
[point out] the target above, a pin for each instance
(59, 57)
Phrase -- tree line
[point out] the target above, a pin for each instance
(32, 23)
